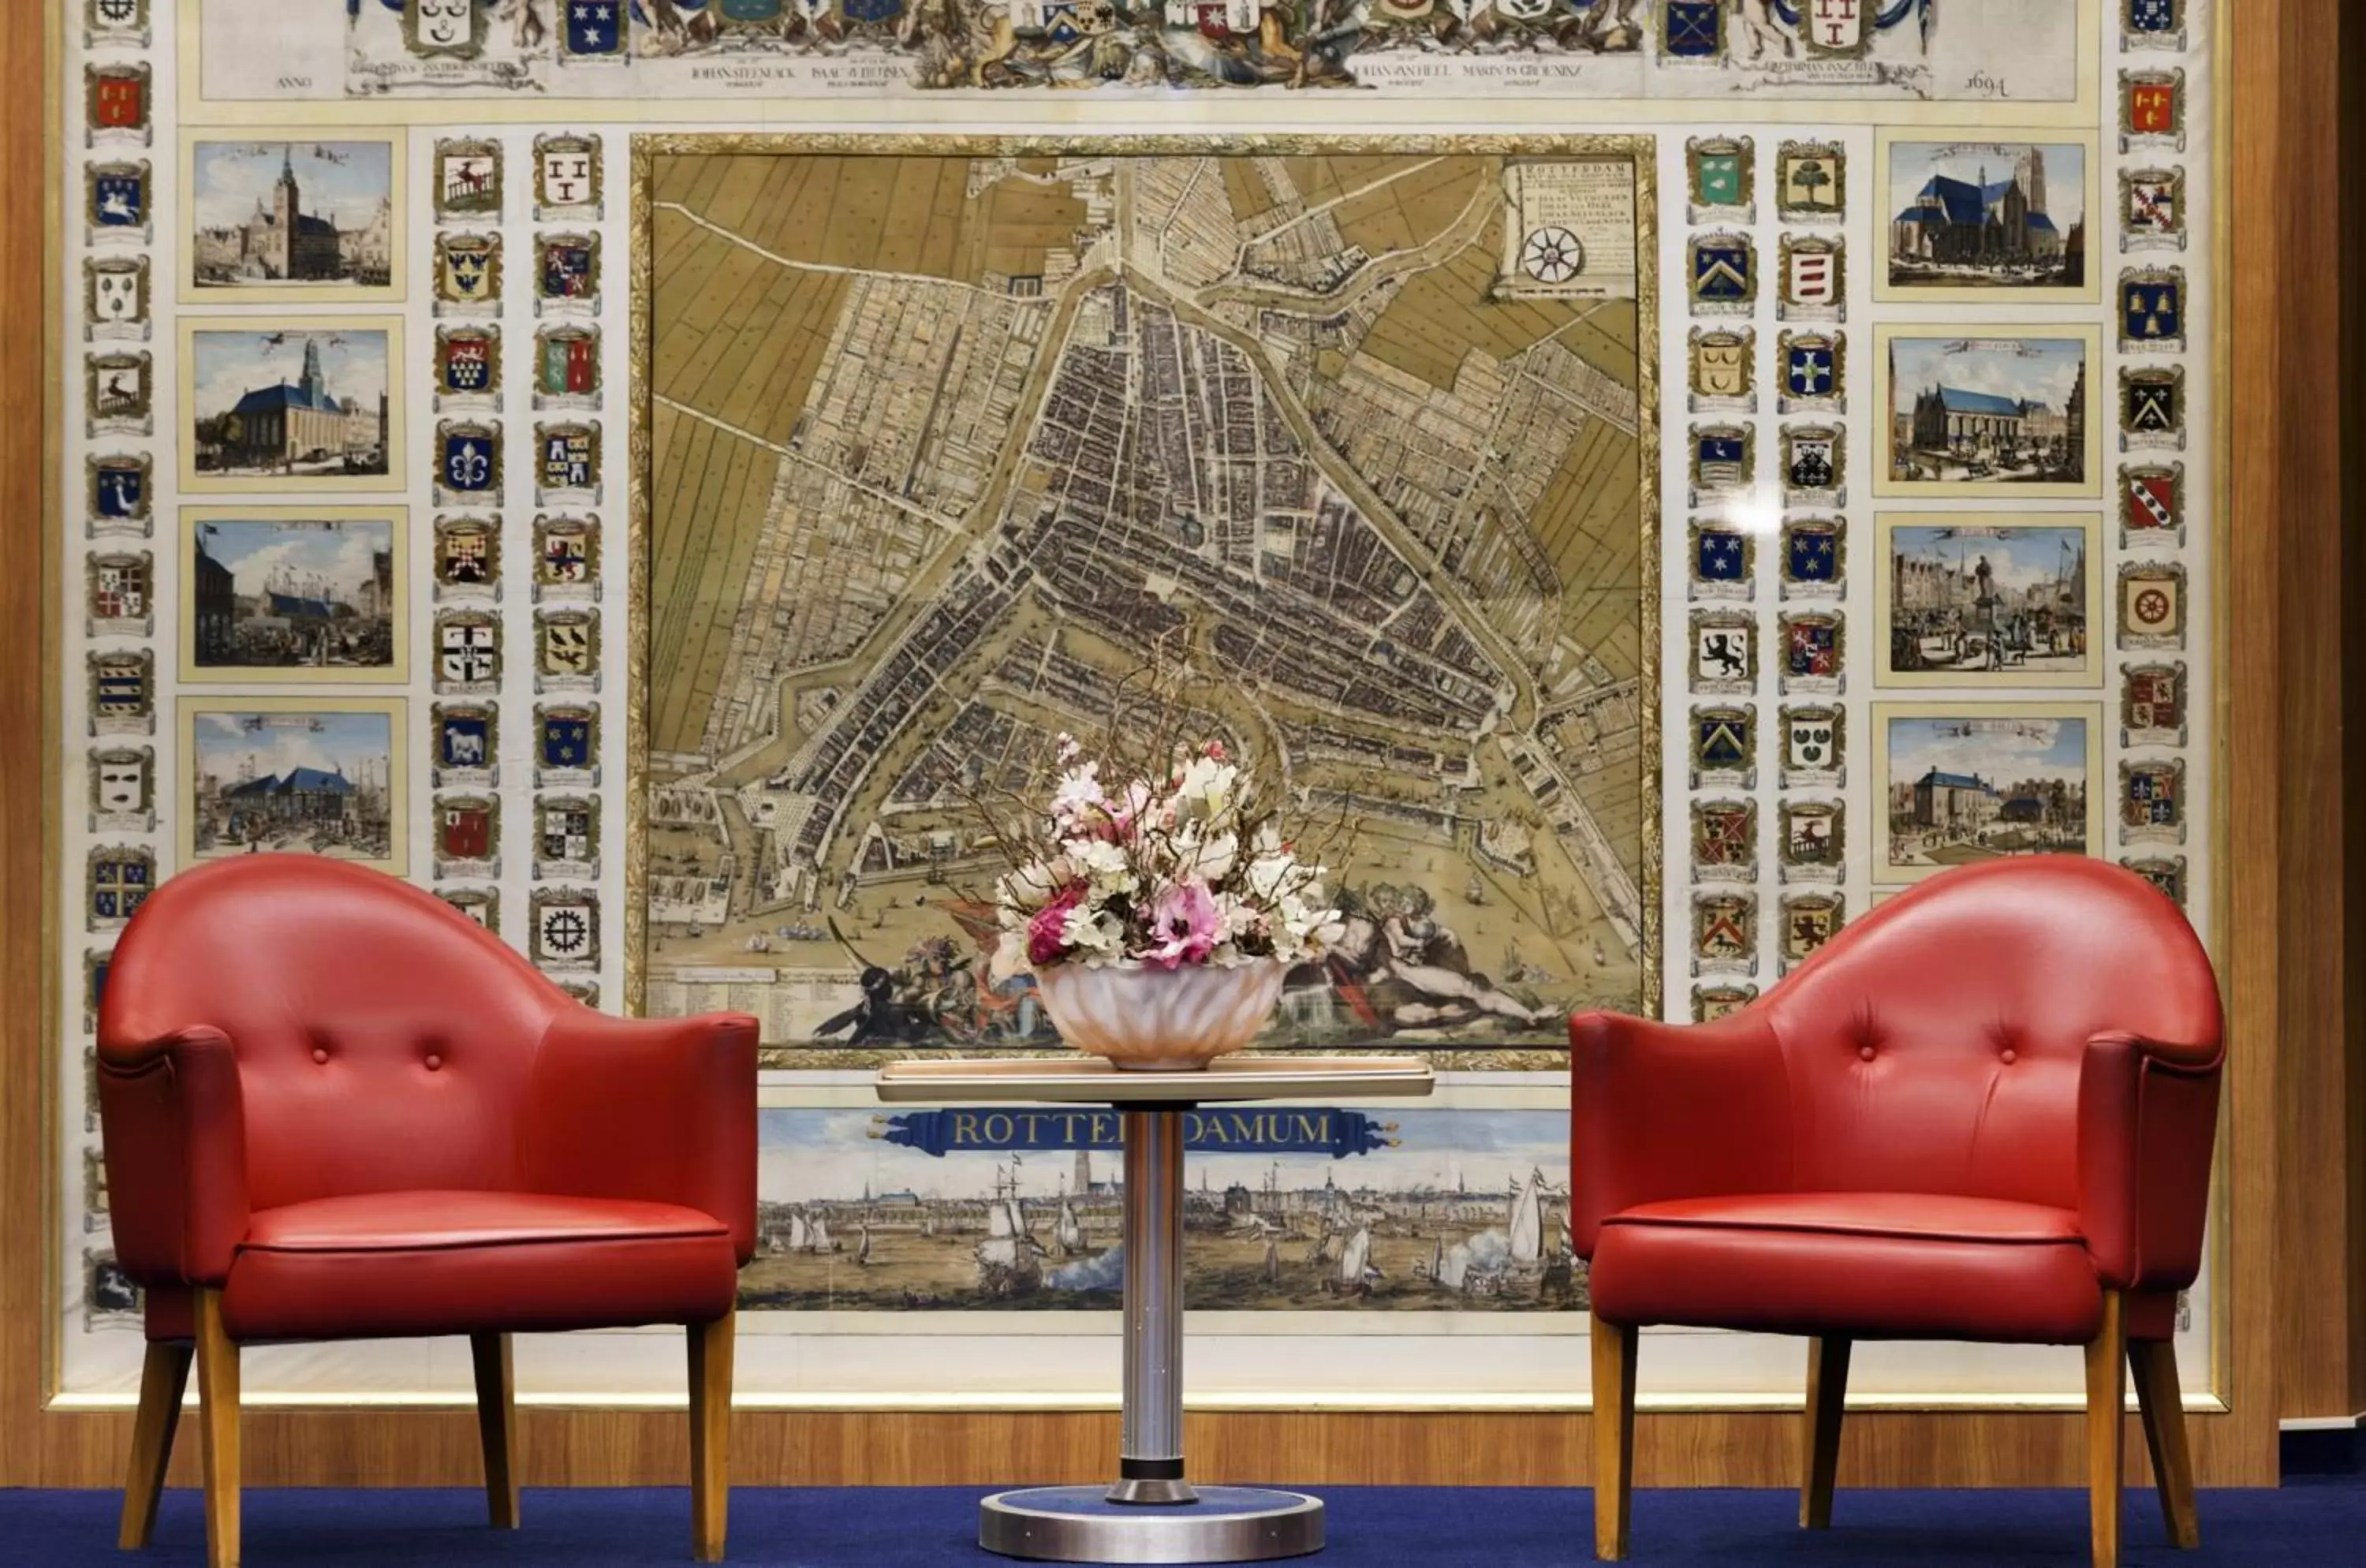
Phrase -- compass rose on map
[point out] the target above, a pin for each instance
(1551, 254)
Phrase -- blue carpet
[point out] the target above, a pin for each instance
(2303, 1525)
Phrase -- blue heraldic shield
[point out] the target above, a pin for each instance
(1695, 29)
(121, 199)
(592, 26)
(121, 490)
(468, 463)
(566, 742)
(1723, 743)
(1812, 558)
(1719, 556)
(2152, 310)
(1809, 372)
(464, 743)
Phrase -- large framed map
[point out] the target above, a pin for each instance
(944, 438)
(633, 465)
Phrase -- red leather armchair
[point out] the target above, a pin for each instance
(335, 1108)
(1983, 1111)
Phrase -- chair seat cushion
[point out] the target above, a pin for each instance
(393, 1264)
(1867, 1265)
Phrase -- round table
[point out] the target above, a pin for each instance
(1152, 1513)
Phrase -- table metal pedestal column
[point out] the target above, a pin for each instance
(1152, 1514)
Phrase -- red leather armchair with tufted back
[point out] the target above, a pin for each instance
(335, 1108)
(1984, 1111)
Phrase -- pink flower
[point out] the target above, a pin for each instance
(1215, 750)
(1184, 924)
(1125, 812)
(1047, 928)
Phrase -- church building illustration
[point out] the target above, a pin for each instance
(281, 243)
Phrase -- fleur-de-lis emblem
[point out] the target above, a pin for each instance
(469, 466)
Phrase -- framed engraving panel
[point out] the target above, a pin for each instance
(293, 595)
(280, 404)
(1970, 216)
(2004, 602)
(305, 775)
(297, 221)
(1974, 410)
(1963, 783)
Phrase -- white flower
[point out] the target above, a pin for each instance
(1094, 932)
(1210, 859)
(1242, 918)
(1030, 887)
(1079, 793)
(1274, 874)
(1205, 788)
(1105, 865)
(1010, 959)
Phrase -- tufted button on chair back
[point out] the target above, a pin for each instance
(1935, 1045)
(384, 1040)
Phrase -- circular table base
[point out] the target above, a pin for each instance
(1078, 1524)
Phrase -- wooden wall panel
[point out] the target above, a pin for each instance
(2282, 955)
(25, 769)
(2293, 480)
(2351, 56)
(584, 1448)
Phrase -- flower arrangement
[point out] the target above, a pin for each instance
(1187, 868)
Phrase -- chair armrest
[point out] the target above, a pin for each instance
(172, 1121)
(660, 1110)
(1658, 1112)
(2147, 1123)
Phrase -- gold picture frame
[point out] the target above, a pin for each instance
(308, 459)
(217, 817)
(1976, 810)
(1996, 434)
(1899, 151)
(334, 148)
(2017, 628)
(200, 621)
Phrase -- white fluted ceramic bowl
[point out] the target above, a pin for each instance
(1161, 1021)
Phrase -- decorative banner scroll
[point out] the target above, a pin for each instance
(1264, 1130)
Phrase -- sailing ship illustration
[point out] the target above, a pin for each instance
(863, 1254)
(806, 1235)
(1510, 1261)
(1070, 1235)
(1009, 1260)
(1354, 1273)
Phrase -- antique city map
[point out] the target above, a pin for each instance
(939, 446)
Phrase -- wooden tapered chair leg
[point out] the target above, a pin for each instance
(1614, 1437)
(2107, 1395)
(710, 1434)
(1828, 1370)
(2154, 1363)
(163, 1379)
(497, 1425)
(217, 1360)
